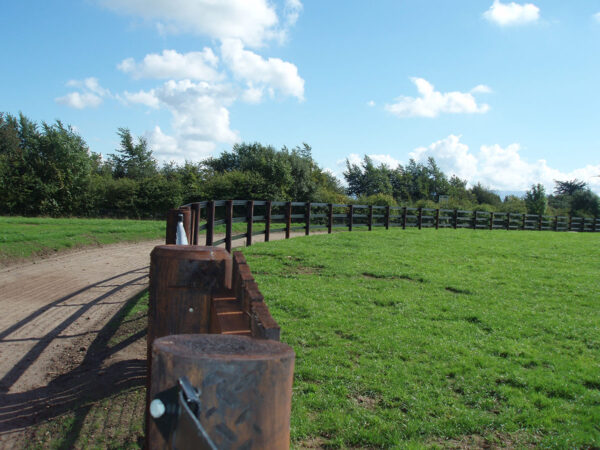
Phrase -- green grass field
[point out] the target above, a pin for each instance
(439, 337)
(449, 338)
(26, 237)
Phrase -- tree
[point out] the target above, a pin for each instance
(535, 200)
(569, 187)
(133, 160)
(485, 195)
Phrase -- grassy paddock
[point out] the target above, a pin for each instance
(449, 337)
(25, 237)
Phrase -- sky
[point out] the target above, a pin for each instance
(502, 93)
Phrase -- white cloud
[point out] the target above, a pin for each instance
(170, 64)
(432, 103)
(507, 14)
(90, 94)
(147, 98)
(597, 17)
(251, 21)
(292, 11)
(501, 168)
(371, 103)
(272, 73)
(200, 118)
(481, 89)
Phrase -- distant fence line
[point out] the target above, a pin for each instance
(285, 217)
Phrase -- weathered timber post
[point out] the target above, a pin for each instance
(173, 219)
(475, 219)
(250, 220)
(228, 224)
(455, 219)
(196, 224)
(508, 221)
(420, 217)
(244, 390)
(388, 212)
(288, 219)
(524, 220)
(437, 219)
(570, 223)
(210, 222)
(541, 218)
(492, 220)
(555, 223)
(594, 225)
(268, 221)
(350, 217)
(330, 219)
(307, 218)
(404, 214)
(370, 218)
(182, 280)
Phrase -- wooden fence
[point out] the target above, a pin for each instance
(286, 217)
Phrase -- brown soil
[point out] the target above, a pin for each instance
(54, 333)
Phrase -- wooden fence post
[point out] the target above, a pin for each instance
(268, 220)
(475, 219)
(250, 220)
(196, 223)
(330, 219)
(492, 220)
(508, 221)
(388, 211)
(420, 217)
(594, 225)
(555, 223)
(307, 218)
(570, 224)
(370, 218)
(541, 218)
(173, 310)
(288, 219)
(437, 219)
(524, 220)
(455, 219)
(404, 214)
(228, 224)
(245, 391)
(210, 222)
(350, 217)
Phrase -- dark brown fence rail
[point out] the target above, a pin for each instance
(216, 218)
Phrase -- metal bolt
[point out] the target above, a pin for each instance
(191, 309)
(157, 408)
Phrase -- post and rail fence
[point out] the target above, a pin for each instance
(216, 218)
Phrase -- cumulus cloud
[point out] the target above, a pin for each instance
(507, 14)
(501, 168)
(89, 95)
(171, 64)
(432, 103)
(200, 118)
(272, 73)
(292, 11)
(481, 89)
(251, 21)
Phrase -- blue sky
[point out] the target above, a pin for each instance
(502, 93)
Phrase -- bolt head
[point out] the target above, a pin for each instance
(157, 408)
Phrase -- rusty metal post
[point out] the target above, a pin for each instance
(244, 384)
(172, 219)
(182, 280)
(250, 219)
(228, 224)
(268, 220)
(330, 219)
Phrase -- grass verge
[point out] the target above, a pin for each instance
(26, 237)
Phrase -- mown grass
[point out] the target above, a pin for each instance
(438, 337)
(26, 237)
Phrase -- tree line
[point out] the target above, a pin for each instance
(49, 169)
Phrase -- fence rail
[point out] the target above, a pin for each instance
(285, 217)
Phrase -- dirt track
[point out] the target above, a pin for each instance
(53, 331)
